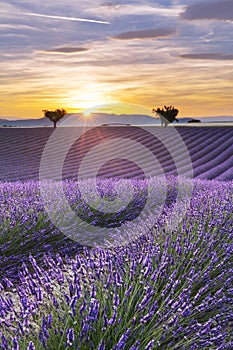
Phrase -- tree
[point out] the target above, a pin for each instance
(54, 116)
(167, 114)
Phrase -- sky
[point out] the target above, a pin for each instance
(78, 54)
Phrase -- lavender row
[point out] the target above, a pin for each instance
(169, 289)
(210, 150)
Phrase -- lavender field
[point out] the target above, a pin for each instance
(169, 288)
(210, 148)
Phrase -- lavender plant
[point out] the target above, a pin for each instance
(168, 289)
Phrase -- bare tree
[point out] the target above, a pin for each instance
(167, 114)
(54, 116)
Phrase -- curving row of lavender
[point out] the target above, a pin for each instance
(210, 148)
(169, 289)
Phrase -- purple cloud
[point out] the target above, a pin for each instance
(219, 10)
(208, 56)
(67, 50)
(146, 34)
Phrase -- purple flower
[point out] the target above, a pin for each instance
(128, 291)
(122, 341)
(101, 346)
(150, 345)
(15, 344)
(178, 282)
(70, 336)
(31, 346)
(4, 342)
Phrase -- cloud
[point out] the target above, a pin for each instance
(16, 26)
(66, 50)
(208, 56)
(146, 34)
(113, 10)
(218, 10)
(168, 50)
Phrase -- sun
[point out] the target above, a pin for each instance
(87, 99)
(87, 113)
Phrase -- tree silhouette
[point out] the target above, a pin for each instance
(167, 114)
(54, 116)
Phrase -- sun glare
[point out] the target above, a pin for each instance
(86, 99)
(87, 114)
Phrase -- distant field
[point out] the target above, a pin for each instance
(210, 148)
